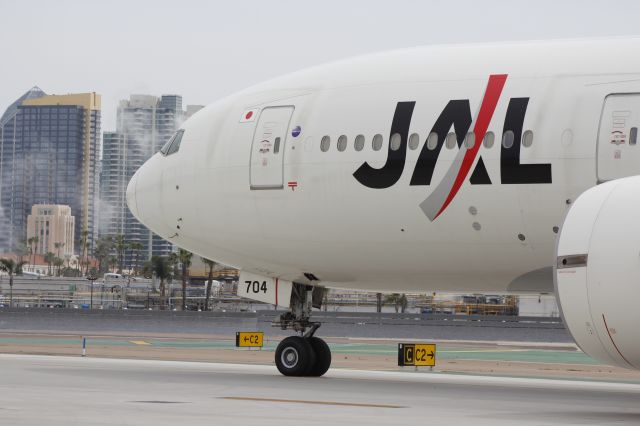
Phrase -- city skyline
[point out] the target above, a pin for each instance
(49, 153)
(54, 152)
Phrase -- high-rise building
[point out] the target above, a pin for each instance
(54, 226)
(144, 124)
(171, 102)
(7, 133)
(49, 155)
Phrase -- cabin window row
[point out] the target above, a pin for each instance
(450, 142)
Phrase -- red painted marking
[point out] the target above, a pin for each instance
(292, 185)
(487, 108)
(249, 115)
(614, 343)
(277, 292)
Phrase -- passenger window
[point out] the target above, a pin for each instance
(451, 140)
(633, 136)
(432, 141)
(377, 142)
(414, 141)
(489, 138)
(359, 143)
(276, 146)
(507, 139)
(527, 139)
(325, 143)
(395, 141)
(342, 143)
(470, 140)
(174, 143)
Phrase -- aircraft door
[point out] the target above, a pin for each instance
(618, 151)
(267, 150)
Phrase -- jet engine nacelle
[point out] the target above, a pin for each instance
(597, 275)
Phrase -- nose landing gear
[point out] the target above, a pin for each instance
(304, 355)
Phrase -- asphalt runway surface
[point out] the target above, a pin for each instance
(157, 368)
(334, 324)
(37, 390)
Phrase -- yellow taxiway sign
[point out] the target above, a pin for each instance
(416, 354)
(249, 339)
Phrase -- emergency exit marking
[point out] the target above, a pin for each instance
(249, 339)
(416, 354)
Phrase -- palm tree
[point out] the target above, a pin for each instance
(30, 245)
(102, 252)
(12, 268)
(121, 246)
(58, 262)
(161, 267)
(84, 254)
(211, 264)
(58, 246)
(185, 261)
(33, 242)
(48, 257)
(135, 249)
(79, 267)
(36, 240)
(399, 301)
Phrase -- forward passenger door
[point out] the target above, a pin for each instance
(268, 147)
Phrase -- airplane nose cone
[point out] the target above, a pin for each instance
(131, 196)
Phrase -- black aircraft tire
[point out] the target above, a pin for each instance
(323, 357)
(295, 356)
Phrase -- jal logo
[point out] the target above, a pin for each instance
(457, 114)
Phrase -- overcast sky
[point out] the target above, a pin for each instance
(205, 50)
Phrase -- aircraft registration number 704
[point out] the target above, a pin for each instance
(256, 286)
(265, 289)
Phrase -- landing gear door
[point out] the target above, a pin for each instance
(268, 147)
(618, 149)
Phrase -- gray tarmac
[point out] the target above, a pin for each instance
(36, 390)
(334, 324)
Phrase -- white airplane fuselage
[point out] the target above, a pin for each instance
(467, 217)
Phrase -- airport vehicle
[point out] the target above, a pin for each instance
(486, 168)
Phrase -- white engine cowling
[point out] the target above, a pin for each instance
(597, 274)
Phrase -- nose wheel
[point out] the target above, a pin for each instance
(303, 356)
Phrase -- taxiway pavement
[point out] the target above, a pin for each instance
(52, 390)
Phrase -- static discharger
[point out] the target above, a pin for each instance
(416, 354)
(249, 339)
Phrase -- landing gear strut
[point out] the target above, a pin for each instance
(303, 355)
